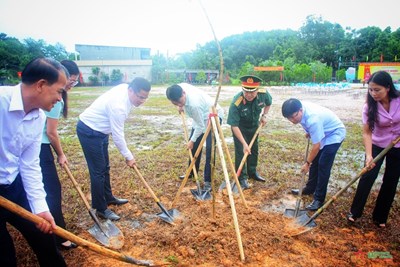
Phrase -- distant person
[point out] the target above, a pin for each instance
(381, 125)
(51, 140)
(197, 105)
(22, 121)
(106, 116)
(248, 109)
(327, 133)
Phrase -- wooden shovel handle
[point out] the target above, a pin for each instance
(187, 140)
(146, 184)
(76, 185)
(239, 170)
(11, 206)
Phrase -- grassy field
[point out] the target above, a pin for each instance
(154, 134)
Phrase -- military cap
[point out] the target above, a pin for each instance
(250, 83)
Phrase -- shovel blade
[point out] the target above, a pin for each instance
(114, 238)
(290, 213)
(170, 217)
(304, 220)
(201, 195)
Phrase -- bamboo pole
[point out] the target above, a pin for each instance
(231, 200)
(231, 165)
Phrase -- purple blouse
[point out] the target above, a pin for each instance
(388, 126)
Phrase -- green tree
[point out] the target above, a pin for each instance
(116, 76)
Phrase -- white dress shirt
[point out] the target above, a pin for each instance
(197, 107)
(107, 114)
(20, 141)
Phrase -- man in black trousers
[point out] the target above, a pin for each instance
(21, 125)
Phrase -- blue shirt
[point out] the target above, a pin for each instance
(322, 125)
(54, 113)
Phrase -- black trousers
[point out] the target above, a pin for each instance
(42, 244)
(387, 190)
(52, 186)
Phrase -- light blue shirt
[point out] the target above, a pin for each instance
(20, 141)
(322, 125)
(54, 113)
(197, 107)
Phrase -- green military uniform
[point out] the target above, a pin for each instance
(246, 115)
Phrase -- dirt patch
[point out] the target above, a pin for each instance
(204, 234)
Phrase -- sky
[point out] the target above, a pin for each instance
(176, 26)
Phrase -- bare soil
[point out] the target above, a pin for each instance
(204, 234)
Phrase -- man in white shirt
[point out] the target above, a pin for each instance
(21, 126)
(196, 105)
(105, 116)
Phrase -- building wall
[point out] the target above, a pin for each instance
(100, 52)
(131, 61)
(130, 68)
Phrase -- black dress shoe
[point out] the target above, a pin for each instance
(117, 201)
(108, 214)
(305, 191)
(316, 204)
(70, 246)
(183, 177)
(257, 177)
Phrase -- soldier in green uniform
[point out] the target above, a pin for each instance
(244, 119)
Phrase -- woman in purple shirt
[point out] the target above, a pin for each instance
(381, 125)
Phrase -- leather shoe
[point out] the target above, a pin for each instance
(244, 184)
(316, 204)
(305, 191)
(257, 177)
(108, 214)
(117, 201)
(183, 177)
(70, 246)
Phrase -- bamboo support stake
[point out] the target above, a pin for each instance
(213, 173)
(231, 200)
(232, 167)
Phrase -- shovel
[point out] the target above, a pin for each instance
(11, 206)
(297, 212)
(239, 170)
(167, 216)
(197, 193)
(305, 220)
(106, 233)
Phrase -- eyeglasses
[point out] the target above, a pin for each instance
(73, 82)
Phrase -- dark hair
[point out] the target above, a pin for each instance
(72, 69)
(139, 84)
(174, 92)
(381, 78)
(42, 68)
(71, 66)
(290, 106)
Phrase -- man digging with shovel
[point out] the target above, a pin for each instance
(105, 116)
(327, 133)
(244, 118)
(196, 105)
